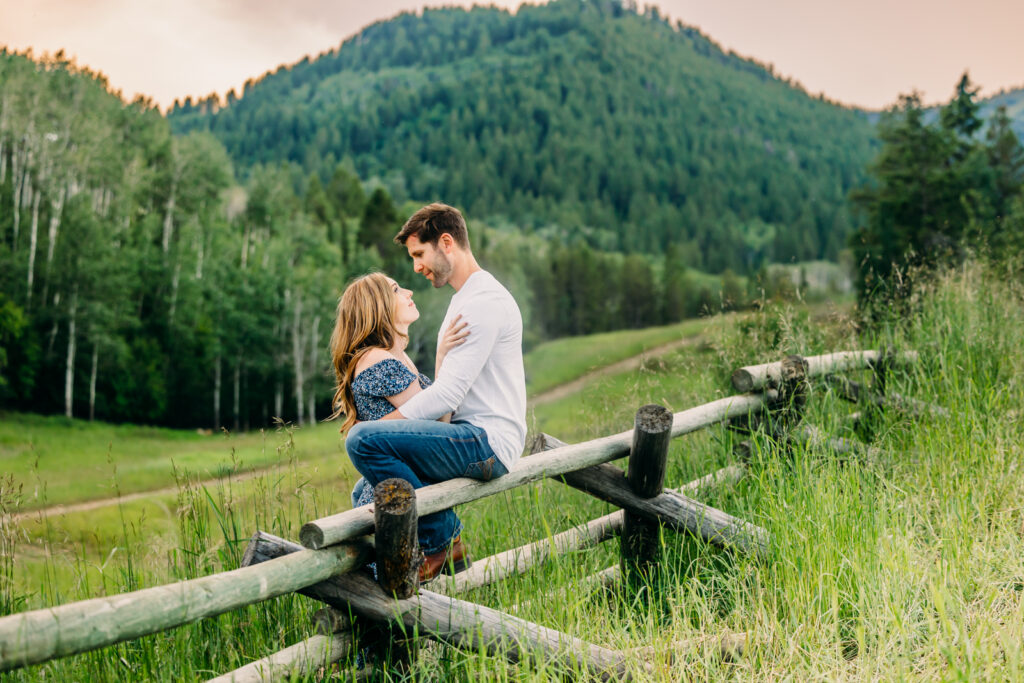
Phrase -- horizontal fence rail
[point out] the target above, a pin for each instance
(45, 634)
(301, 659)
(758, 377)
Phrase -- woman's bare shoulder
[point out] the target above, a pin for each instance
(372, 357)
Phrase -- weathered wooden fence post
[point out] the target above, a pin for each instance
(398, 551)
(641, 544)
(398, 561)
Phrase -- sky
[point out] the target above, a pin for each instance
(863, 53)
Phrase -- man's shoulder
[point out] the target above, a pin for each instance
(492, 302)
(488, 288)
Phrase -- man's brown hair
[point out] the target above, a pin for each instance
(432, 221)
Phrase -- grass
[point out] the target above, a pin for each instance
(106, 460)
(905, 565)
(560, 361)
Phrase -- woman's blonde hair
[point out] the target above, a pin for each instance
(365, 321)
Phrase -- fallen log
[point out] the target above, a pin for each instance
(769, 375)
(459, 623)
(352, 523)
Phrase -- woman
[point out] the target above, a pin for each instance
(374, 374)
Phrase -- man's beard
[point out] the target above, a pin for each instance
(441, 269)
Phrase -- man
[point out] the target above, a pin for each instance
(480, 382)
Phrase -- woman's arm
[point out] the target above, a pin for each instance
(376, 356)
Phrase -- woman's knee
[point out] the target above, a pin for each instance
(355, 441)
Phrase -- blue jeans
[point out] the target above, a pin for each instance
(422, 452)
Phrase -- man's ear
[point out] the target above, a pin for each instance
(447, 242)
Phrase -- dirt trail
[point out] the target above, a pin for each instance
(631, 363)
(553, 394)
(130, 497)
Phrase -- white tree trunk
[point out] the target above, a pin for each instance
(238, 394)
(54, 328)
(19, 172)
(245, 247)
(200, 244)
(216, 393)
(92, 381)
(174, 289)
(33, 241)
(18, 169)
(297, 358)
(3, 137)
(69, 366)
(57, 210)
(314, 346)
(279, 399)
(169, 220)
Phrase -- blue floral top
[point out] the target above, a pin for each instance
(372, 386)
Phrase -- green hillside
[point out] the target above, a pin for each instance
(574, 114)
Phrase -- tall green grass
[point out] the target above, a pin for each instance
(905, 564)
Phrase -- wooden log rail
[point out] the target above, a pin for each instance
(41, 635)
(769, 375)
(45, 634)
(302, 659)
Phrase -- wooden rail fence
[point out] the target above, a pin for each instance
(323, 566)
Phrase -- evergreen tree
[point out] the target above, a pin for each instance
(936, 190)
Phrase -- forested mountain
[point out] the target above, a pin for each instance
(581, 116)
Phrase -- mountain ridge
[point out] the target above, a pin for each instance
(576, 114)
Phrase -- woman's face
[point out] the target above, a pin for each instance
(405, 309)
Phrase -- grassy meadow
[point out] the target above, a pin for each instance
(908, 564)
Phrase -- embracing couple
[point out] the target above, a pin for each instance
(471, 421)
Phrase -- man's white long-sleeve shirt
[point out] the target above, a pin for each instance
(482, 381)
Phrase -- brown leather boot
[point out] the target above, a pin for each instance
(451, 560)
